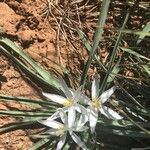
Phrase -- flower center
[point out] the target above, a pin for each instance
(68, 103)
(96, 103)
(61, 131)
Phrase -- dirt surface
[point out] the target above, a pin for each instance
(24, 23)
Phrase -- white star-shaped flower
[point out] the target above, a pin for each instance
(70, 102)
(97, 104)
(61, 129)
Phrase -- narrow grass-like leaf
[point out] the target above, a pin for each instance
(88, 47)
(117, 124)
(40, 143)
(43, 73)
(97, 37)
(14, 126)
(28, 70)
(145, 67)
(31, 118)
(131, 97)
(144, 148)
(134, 53)
(28, 101)
(109, 146)
(66, 146)
(141, 33)
(25, 113)
(114, 72)
(135, 108)
(20, 52)
(129, 118)
(123, 132)
(113, 55)
(145, 29)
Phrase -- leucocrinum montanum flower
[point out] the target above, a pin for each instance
(61, 129)
(70, 101)
(97, 104)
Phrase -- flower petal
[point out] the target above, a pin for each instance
(93, 117)
(52, 131)
(51, 123)
(76, 95)
(55, 98)
(81, 109)
(63, 117)
(78, 141)
(105, 96)
(95, 88)
(109, 113)
(54, 116)
(61, 142)
(82, 98)
(71, 116)
(79, 126)
(65, 88)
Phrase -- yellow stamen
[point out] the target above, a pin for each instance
(60, 131)
(96, 103)
(68, 102)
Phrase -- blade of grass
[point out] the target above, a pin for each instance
(40, 143)
(141, 33)
(114, 72)
(97, 38)
(27, 101)
(29, 71)
(20, 52)
(88, 47)
(27, 119)
(25, 113)
(145, 67)
(147, 30)
(130, 96)
(13, 126)
(121, 124)
(123, 112)
(113, 55)
(141, 111)
(47, 77)
(134, 53)
(123, 132)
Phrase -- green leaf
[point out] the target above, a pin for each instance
(88, 47)
(141, 33)
(40, 143)
(142, 36)
(47, 77)
(97, 37)
(38, 102)
(124, 132)
(25, 68)
(145, 67)
(25, 113)
(134, 53)
(14, 126)
(114, 72)
(118, 124)
(135, 108)
(114, 52)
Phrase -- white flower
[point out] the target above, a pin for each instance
(97, 104)
(61, 129)
(70, 102)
